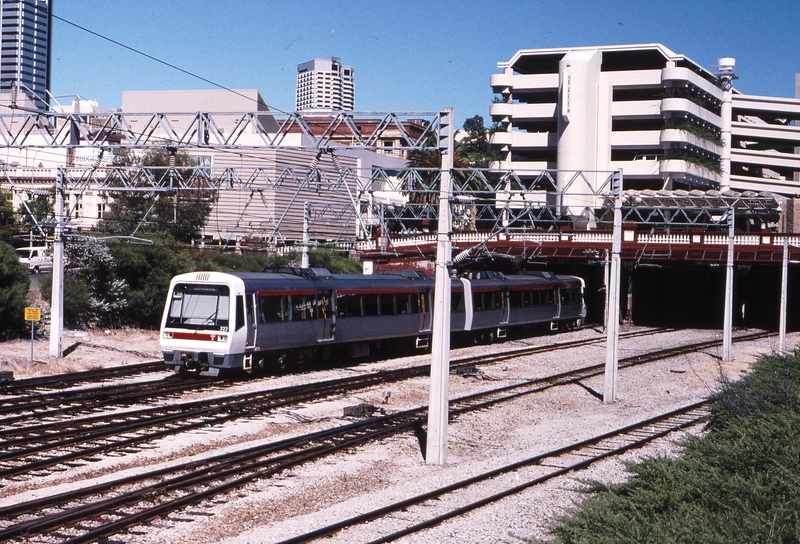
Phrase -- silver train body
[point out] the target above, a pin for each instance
(217, 321)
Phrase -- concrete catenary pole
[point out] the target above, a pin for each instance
(784, 298)
(727, 333)
(438, 406)
(57, 292)
(612, 296)
(726, 76)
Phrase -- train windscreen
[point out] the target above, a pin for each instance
(199, 307)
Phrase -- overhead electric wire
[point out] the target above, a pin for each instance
(165, 63)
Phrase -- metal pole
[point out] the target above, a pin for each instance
(727, 333)
(57, 292)
(33, 328)
(438, 406)
(784, 292)
(612, 293)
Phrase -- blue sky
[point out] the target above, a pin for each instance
(408, 55)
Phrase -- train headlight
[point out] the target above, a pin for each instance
(167, 334)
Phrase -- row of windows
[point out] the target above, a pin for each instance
(278, 308)
(494, 300)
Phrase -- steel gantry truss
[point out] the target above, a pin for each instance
(438, 200)
(112, 130)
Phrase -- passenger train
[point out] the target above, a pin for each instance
(216, 321)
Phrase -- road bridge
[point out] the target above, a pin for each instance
(640, 246)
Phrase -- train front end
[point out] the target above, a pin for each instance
(199, 325)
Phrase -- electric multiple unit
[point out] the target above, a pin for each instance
(217, 321)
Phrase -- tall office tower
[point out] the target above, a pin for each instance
(325, 85)
(25, 54)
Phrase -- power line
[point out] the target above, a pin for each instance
(165, 63)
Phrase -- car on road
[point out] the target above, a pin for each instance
(37, 258)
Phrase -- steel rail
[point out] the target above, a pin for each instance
(188, 416)
(61, 381)
(83, 397)
(57, 435)
(348, 436)
(662, 419)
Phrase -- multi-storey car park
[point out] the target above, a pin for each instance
(656, 115)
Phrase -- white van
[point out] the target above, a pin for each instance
(38, 258)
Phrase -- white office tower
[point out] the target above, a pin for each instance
(25, 57)
(325, 85)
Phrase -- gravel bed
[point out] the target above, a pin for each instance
(364, 478)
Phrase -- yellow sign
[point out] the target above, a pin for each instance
(33, 314)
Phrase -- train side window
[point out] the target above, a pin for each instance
(477, 301)
(403, 303)
(239, 312)
(457, 302)
(387, 304)
(413, 302)
(302, 307)
(549, 297)
(371, 304)
(341, 305)
(515, 299)
(353, 305)
(273, 308)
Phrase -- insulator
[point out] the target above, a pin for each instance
(463, 256)
(96, 163)
(336, 162)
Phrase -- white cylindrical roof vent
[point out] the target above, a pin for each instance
(727, 64)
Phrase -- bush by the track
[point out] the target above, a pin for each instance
(738, 483)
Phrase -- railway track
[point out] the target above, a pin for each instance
(532, 471)
(91, 513)
(43, 405)
(71, 379)
(30, 449)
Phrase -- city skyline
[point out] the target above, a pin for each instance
(414, 57)
(25, 62)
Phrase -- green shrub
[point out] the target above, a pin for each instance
(738, 484)
(14, 283)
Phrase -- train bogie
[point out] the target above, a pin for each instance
(215, 321)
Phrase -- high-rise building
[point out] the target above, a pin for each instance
(325, 85)
(662, 119)
(25, 54)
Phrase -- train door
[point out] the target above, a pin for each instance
(425, 321)
(326, 317)
(250, 320)
(468, 305)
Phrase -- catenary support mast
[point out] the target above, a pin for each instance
(438, 407)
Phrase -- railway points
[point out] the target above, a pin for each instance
(462, 384)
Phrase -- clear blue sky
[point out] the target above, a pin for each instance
(408, 55)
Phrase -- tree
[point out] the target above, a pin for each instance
(41, 206)
(475, 149)
(14, 283)
(91, 263)
(180, 213)
(77, 299)
(422, 187)
(147, 270)
(7, 217)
